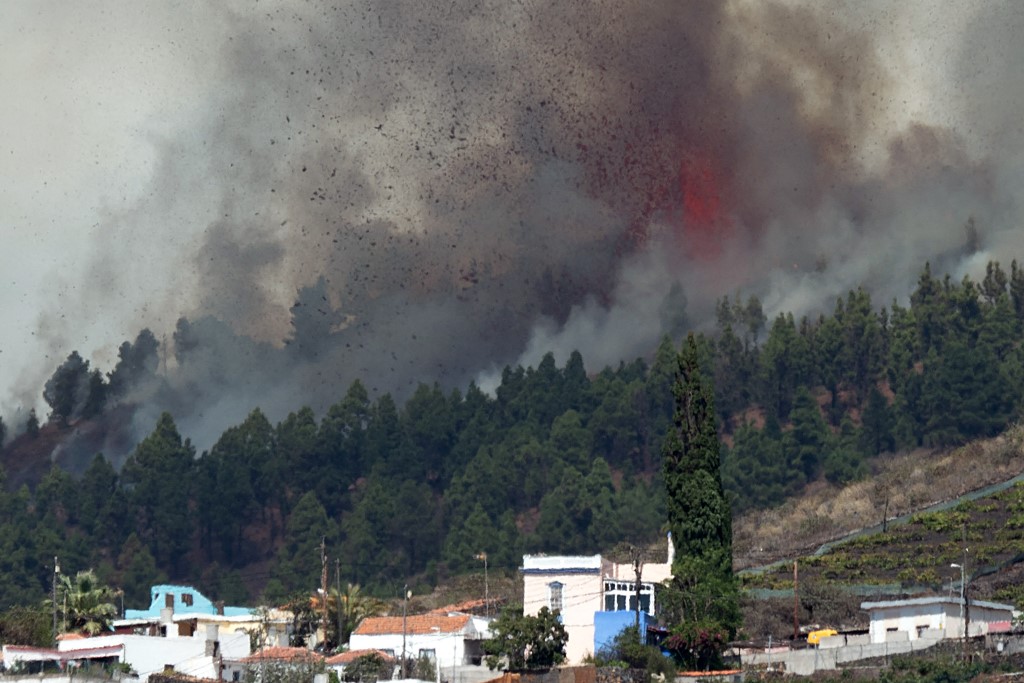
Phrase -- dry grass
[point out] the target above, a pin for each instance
(900, 484)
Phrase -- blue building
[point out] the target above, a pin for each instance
(607, 625)
(183, 600)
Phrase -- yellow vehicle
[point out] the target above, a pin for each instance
(814, 637)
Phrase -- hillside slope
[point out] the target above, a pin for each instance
(898, 485)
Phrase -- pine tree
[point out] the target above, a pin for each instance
(805, 442)
(158, 476)
(67, 390)
(704, 587)
(298, 559)
(32, 424)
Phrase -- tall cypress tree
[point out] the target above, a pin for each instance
(704, 595)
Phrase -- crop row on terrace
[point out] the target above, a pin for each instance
(919, 552)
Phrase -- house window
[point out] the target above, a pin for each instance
(186, 599)
(236, 675)
(430, 654)
(555, 596)
(620, 596)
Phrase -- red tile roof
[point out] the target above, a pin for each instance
(352, 655)
(415, 623)
(708, 674)
(281, 654)
(466, 606)
(49, 654)
(32, 649)
(70, 636)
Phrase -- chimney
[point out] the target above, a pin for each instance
(212, 640)
(671, 551)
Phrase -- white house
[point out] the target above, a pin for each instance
(32, 659)
(448, 640)
(935, 617)
(199, 654)
(580, 586)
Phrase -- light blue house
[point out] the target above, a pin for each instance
(183, 600)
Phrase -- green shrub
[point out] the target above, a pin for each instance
(941, 522)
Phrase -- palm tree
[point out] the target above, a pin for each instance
(86, 604)
(354, 606)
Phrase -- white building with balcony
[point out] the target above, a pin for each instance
(581, 585)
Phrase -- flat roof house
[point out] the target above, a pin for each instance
(935, 617)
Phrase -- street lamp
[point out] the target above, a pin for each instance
(963, 580)
(487, 597)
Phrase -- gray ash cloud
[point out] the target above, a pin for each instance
(450, 187)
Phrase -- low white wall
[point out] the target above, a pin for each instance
(806, 662)
(830, 642)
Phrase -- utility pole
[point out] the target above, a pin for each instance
(963, 593)
(337, 576)
(636, 556)
(405, 606)
(56, 571)
(796, 605)
(323, 585)
(264, 634)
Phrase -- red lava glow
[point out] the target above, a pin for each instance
(656, 177)
(705, 225)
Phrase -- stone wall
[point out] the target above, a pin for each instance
(606, 674)
(576, 674)
(175, 677)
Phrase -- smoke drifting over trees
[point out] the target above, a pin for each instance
(409, 191)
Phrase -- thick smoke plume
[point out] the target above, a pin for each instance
(408, 191)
